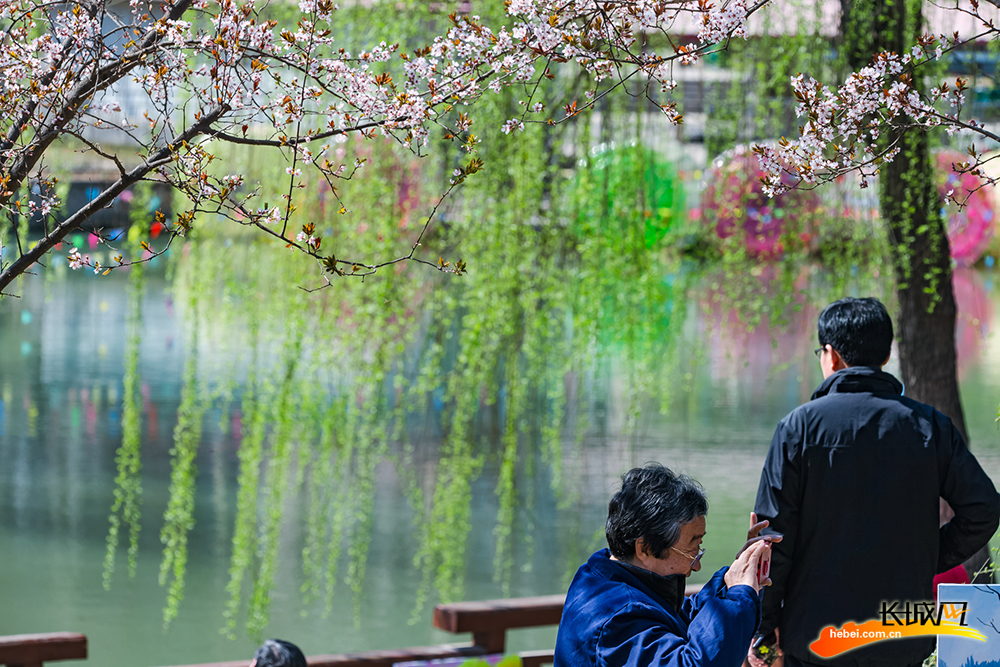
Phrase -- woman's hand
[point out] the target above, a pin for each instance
(743, 571)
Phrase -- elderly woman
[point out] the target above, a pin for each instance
(626, 605)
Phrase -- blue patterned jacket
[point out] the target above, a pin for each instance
(613, 619)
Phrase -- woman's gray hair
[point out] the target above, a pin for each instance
(653, 504)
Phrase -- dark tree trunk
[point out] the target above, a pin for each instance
(927, 349)
(925, 326)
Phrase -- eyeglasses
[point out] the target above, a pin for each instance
(819, 351)
(694, 559)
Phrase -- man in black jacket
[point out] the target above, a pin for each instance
(852, 481)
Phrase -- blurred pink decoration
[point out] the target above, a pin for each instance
(733, 200)
(974, 317)
(970, 229)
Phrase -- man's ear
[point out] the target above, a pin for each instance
(836, 360)
(886, 360)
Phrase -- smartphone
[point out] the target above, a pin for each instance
(764, 567)
(763, 647)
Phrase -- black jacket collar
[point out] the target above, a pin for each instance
(859, 379)
(670, 589)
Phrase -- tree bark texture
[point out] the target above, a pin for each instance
(925, 325)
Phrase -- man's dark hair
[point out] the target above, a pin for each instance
(860, 330)
(653, 504)
(278, 653)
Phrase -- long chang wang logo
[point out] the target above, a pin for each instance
(898, 620)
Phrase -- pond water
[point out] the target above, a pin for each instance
(64, 375)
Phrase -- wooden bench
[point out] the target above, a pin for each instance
(33, 650)
(489, 621)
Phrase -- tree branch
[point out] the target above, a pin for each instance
(95, 82)
(22, 263)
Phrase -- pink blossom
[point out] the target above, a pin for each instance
(512, 125)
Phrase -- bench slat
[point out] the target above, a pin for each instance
(38, 648)
(499, 614)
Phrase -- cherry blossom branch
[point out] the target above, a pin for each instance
(157, 159)
(78, 260)
(14, 175)
(843, 128)
(225, 57)
(298, 141)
